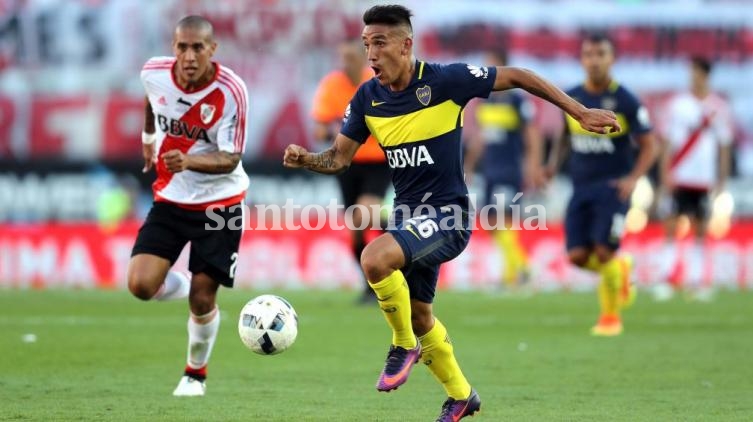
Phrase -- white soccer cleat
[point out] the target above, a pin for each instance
(189, 387)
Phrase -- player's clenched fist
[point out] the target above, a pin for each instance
(294, 156)
(175, 161)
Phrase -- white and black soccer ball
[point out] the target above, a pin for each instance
(268, 325)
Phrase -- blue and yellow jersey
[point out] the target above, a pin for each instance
(598, 157)
(501, 120)
(419, 129)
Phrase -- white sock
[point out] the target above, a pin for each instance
(670, 254)
(202, 331)
(176, 286)
(695, 264)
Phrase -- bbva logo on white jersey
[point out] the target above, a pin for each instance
(408, 157)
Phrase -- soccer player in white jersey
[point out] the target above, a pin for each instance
(194, 135)
(696, 161)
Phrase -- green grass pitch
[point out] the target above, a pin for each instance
(103, 355)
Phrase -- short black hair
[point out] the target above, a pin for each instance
(598, 37)
(701, 63)
(196, 22)
(390, 14)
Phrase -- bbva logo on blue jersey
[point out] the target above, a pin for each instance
(588, 144)
(413, 156)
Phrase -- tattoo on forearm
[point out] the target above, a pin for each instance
(323, 161)
(219, 163)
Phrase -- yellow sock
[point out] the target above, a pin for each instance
(394, 299)
(514, 248)
(509, 244)
(593, 263)
(520, 251)
(438, 356)
(611, 274)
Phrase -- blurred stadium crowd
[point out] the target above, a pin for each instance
(71, 110)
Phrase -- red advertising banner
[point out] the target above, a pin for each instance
(88, 256)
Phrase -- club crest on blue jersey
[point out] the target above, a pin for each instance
(424, 94)
(609, 103)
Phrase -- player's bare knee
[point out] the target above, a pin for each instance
(201, 303)
(201, 298)
(357, 219)
(375, 264)
(603, 253)
(579, 259)
(140, 286)
(373, 269)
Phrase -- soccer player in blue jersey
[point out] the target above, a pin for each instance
(604, 170)
(414, 110)
(509, 147)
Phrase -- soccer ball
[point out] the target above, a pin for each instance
(268, 325)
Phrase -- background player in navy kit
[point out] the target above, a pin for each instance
(604, 171)
(196, 147)
(414, 110)
(508, 145)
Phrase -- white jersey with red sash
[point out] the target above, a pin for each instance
(210, 119)
(695, 129)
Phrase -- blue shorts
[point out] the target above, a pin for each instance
(595, 216)
(501, 193)
(427, 242)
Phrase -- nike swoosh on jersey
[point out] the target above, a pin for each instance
(377, 103)
(410, 229)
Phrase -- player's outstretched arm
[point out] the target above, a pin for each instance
(336, 159)
(591, 119)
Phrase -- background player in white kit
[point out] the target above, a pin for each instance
(196, 113)
(695, 164)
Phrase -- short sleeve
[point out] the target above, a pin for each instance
(144, 80)
(673, 125)
(154, 64)
(722, 125)
(468, 81)
(354, 120)
(231, 136)
(638, 116)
